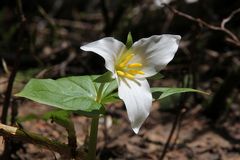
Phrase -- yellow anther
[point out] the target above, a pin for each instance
(129, 76)
(127, 70)
(121, 65)
(120, 73)
(126, 60)
(135, 65)
(135, 72)
(140, 72)
(129, 57)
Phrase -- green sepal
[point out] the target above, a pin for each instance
(129, 41)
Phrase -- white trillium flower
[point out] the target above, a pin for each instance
(132, 66)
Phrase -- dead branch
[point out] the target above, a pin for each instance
(232, 38)
(19, 134)
(226, 20)
(33, 138)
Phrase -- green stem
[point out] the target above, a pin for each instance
(99, 92)
(92, 145)
(93, 139)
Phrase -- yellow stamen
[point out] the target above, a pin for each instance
(129, 57)
(120, 73)
(126, 60)
(121, 65)
(135, 72)
(134, 65)
(129, 76)
(125, 69)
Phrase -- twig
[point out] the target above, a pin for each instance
(20, 10)
(226, 20)
(183, 111)
(74, 24)
(177, 122)
(170, 136)
(232, 38)
(64, 22)
(29, 137)
(16, 64)
(8, 144)
(46, 16)
(8, 92)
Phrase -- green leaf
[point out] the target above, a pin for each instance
(106, 77)
(159, 93)
(108, 96)
(109, 88)
(55, 115)
(129, 40)
(169, 103)
(76, 94)
(113, 97)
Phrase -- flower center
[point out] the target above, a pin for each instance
(126, 69)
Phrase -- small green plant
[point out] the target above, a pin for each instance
(128, 67)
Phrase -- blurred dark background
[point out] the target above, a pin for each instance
(55, 29)
(47, 44)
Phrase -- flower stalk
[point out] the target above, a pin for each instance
(93, 139)
(92, 144)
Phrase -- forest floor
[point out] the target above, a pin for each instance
(195, 137)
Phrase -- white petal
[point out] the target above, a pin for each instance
(138, 100)
(109, 48)
(191, 1)
(156, 52)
